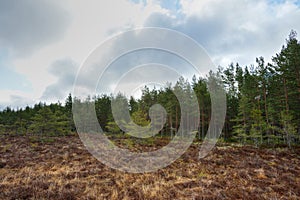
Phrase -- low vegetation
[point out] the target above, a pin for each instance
(63, 169)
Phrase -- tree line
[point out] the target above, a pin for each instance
(263, 104)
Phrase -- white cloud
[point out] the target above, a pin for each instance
(65, 70)
(91, 23)
(230, 30)
(234, 29)
(27, 26)
(16, 99)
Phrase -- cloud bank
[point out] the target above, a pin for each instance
(28, 25)
(46, 41)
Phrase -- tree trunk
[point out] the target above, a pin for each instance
(286, 95)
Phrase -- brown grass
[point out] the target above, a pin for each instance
(63, 169)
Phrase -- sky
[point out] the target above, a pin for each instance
(44, 42)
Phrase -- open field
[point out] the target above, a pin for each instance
(61, 168)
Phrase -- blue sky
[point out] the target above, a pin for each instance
(297, 2)
(43, 43)
(167, 4)
(11, 79)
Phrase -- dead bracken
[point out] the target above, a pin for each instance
(61, 168)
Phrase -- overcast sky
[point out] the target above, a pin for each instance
(43, 42)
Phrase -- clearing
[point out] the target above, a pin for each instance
(61, 168)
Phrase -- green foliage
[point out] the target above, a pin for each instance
(112, 127)
(288, 128)
(269, 96)
(262, 105)
(140, 118)
(46, 122)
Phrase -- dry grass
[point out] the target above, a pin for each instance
(63, 169)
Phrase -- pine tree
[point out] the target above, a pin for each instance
(69, 112)
(43, 122)
(288, 128)
(203, 96)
